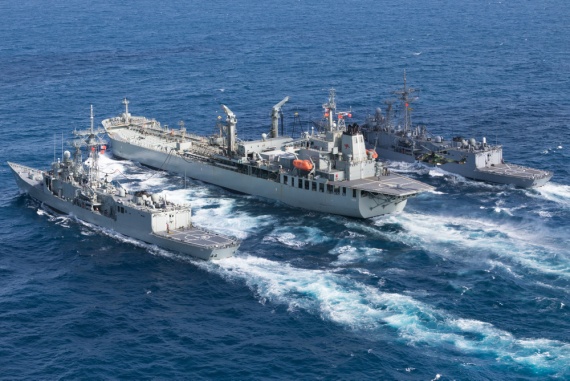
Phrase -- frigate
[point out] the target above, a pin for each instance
(327, 171)
(75, 187)
(469, 158)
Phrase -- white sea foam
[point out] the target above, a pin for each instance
(449, 234)
(557, 193)
(341, 300)
(347, 254)
(297, 236)
(436, 172)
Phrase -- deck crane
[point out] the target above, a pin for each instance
(275, 113)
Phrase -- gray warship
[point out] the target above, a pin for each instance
(469, 158)
(326, 171)
(74, 187)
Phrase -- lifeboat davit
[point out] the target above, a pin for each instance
(373, 152)
(305, 165)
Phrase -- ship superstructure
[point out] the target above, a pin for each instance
(327, 171)
(73, 186)
(470, 158)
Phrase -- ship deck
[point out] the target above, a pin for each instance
(198, 237)
(391, 184)
(514, 170)
(163, 142)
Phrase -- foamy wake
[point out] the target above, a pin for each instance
(297, 236)
(339, 299)
(449, 235)
(557, 193)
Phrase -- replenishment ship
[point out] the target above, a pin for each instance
(469, 158)
(327, 171)
(74, 187)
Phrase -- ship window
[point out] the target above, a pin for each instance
(344, 191)
(354, 193)
(321, 187)
(306, 184)
(336, 189)
(329, 188)
(300, 183)
(285, 179)
(313, 186)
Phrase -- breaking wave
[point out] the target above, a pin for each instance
(339, 299)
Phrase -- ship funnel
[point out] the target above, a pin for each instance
(231, 121)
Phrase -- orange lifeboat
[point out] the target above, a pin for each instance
(374, 154)
(305, 165)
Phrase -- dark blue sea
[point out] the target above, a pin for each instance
(470, 282)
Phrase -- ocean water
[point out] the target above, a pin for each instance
(470, 282)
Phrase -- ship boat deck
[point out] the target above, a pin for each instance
(197, 237)
(515, 171)
(391, 184)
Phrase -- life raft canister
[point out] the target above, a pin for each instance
(305, 165)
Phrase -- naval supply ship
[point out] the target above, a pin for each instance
(326, 171)
(74, 187)
(469, 158)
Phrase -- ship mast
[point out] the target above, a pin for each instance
(126, 103)
(93, 153)
(330, 109)
(404, 97)
(92, 141)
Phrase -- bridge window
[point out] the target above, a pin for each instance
(321, 187)
(344, 191)
(313, 186)
(307, 184)
(329, 188)
(300, 183)
(354, 193)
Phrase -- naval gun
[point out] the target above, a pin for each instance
(275, 112)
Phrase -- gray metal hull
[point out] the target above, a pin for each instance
(361, 207)
(500, 173)
(34, 189)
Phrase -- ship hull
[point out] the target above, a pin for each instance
(29, 181)
(357, 207)
(499, 173)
